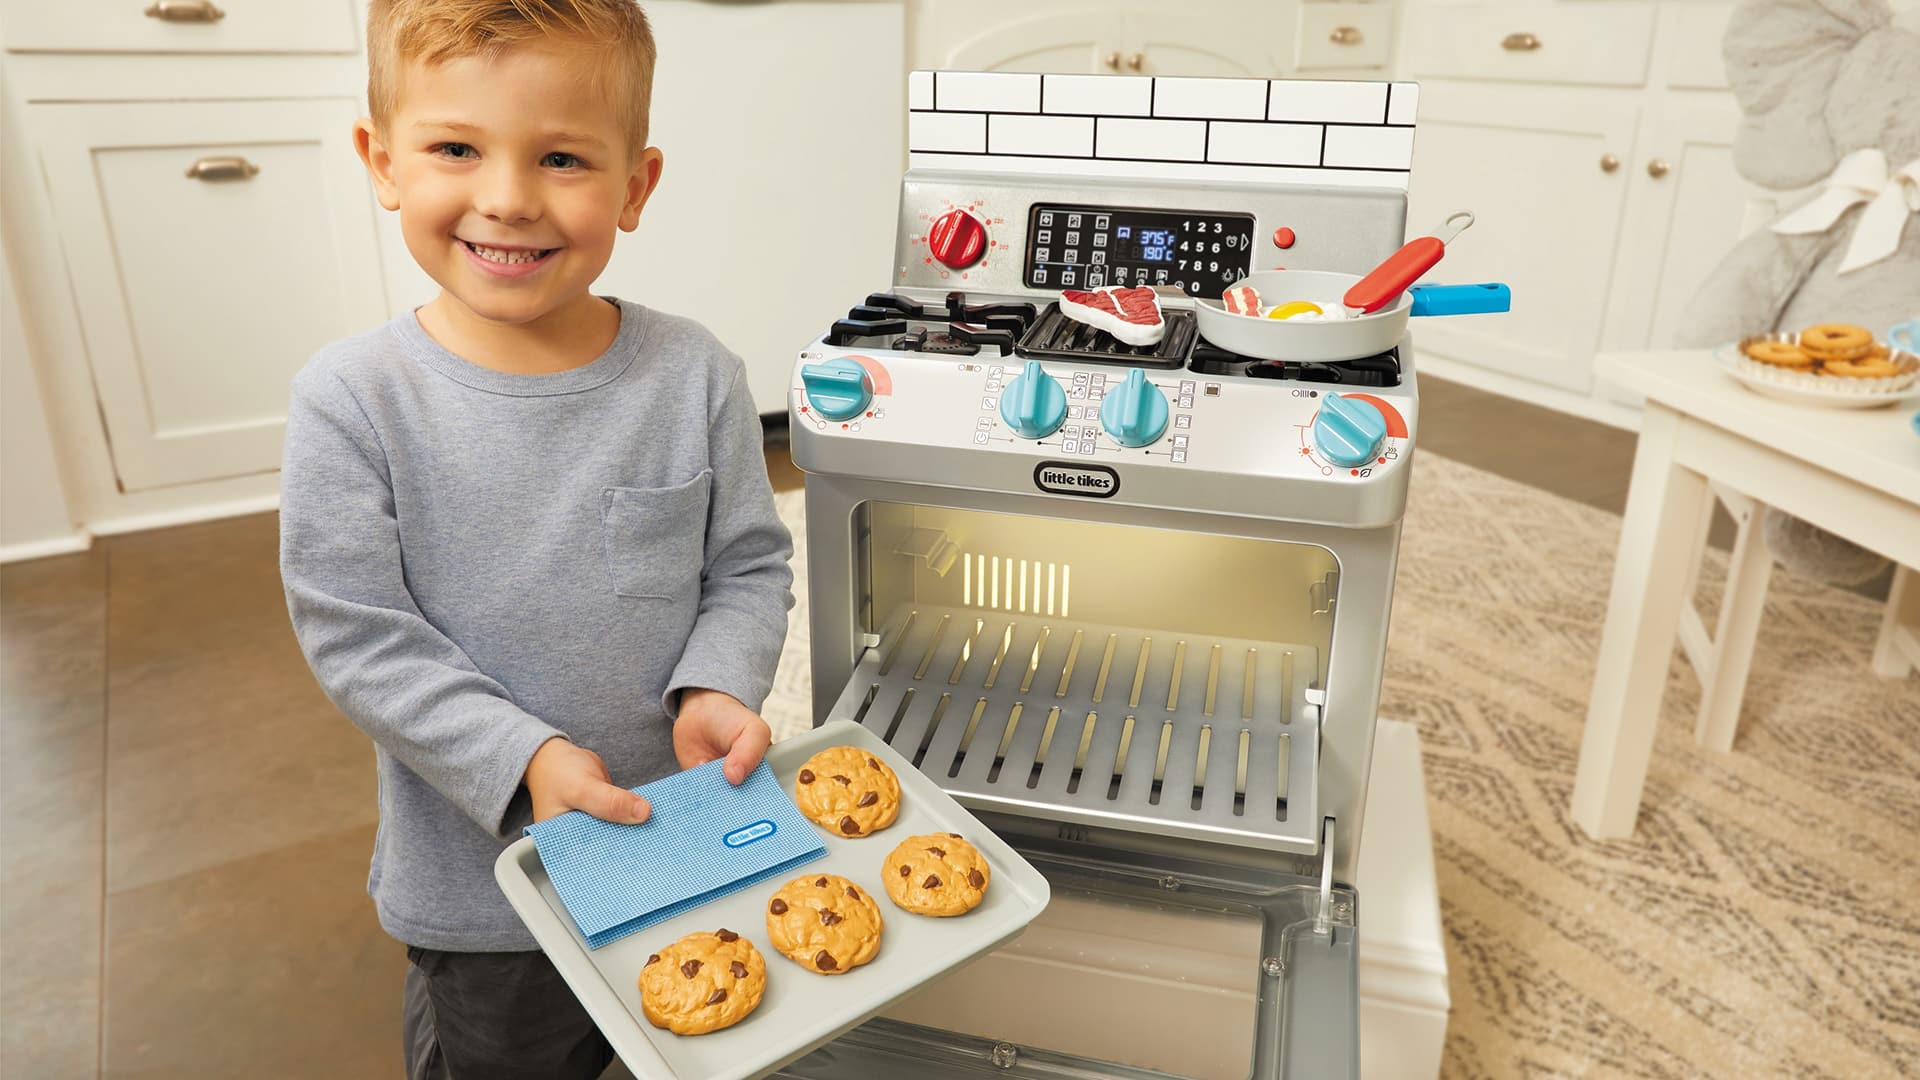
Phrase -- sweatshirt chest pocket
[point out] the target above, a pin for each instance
(656, 538)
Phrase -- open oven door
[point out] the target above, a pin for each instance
(1147, 964)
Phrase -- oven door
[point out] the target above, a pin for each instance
(1145, 964)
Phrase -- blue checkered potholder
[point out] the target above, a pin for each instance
(705, 839)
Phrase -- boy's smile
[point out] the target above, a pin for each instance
(512, 175)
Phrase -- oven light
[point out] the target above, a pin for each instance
(966, 581)
(1051, 568)
(1009, 561)
(996, 583)
(1066, 589)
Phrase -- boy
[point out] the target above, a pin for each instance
(527, 537)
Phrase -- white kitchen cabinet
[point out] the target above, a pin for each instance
(211, 247)
(1201, 38)
(1593, 140)
(182, 26)
(1547, 228)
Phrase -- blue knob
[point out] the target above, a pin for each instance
(1348, 431)
(1033, 404)
(838, 389)
(1135, 412)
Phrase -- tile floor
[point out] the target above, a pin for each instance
(188, 819)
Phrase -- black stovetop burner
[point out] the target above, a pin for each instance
(1381, 370)
(887, 321)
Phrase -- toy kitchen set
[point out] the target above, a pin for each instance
(1108, 551)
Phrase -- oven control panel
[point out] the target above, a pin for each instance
(905, 408)
(1075, 246)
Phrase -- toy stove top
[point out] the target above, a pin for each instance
(964, 325)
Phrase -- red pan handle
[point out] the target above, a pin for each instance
(1386, 282)
(1391, 278)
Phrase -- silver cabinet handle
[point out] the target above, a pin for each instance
(1113, 60)
(1136, 60)
(223, 167)
(1521, 42)
(1609, 162)
(193, 11)
(1346, 35)
(1658, 168)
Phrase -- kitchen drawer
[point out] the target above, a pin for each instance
(1344, 37)
(1598, 44)
(201, 296)
(183, 26)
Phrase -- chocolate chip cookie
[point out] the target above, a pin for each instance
(702, 983)
(936, 874)
(848, 791)
(824, 923)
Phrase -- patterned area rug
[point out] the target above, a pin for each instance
(1765, 918)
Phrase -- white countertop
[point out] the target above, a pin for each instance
(1875, 447)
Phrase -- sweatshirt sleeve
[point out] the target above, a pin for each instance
(746, 586)
(397, 677)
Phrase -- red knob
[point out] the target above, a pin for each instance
(958, 239)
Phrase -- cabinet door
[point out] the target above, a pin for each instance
(776, 209)
(1547, 222)
(1082, 39)
(1680, 223)
(1229, 40)
(199, 297)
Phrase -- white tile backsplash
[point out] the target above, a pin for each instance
(955, 132)
(1098, 95)
(1327, 102)
(920, 90)
(1264, 144)
(1159, 140)
(986, 91)
(1403, 103)
(1369, 147)
(1045, 136)
(1210, 99)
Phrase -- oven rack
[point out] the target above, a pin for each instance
(1184, 735)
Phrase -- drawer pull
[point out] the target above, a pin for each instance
(1136, 61)
(1113, 60)
(1522, 42)
(185, 11)
(1609, 162)
(1658, 168)
(1346, 35)
(224, 167)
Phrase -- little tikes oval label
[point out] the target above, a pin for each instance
(759, 830)
(1072, 478)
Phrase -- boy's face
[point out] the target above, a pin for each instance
(510, 176)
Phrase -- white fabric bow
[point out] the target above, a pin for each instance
(1861, 177)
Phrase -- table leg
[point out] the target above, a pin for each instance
(1725, 685)
(1898, 647)
(1643, 612)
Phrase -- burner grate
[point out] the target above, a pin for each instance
(1055, 337)
(1381, 370)
(1183, 735)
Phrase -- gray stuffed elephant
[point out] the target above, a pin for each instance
(1830, 96)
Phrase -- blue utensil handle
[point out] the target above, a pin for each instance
(1461, 299)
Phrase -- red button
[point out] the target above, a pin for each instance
(1283, 237)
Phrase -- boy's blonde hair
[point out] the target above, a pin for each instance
(435, 31)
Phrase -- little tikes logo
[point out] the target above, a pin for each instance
(759, 830)
(1086, 481)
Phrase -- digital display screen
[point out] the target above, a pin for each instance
(1091, 247)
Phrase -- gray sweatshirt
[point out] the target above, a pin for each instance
(476, 562)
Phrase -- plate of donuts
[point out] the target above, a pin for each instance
(1836, 365)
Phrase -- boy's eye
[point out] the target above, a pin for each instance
(558, 160)
(460, 151)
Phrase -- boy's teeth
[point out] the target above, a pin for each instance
(501, 256)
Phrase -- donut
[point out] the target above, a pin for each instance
(1836, 341)
(1779, 354)
(1867, 367)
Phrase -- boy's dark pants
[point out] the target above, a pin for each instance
(496, 1016)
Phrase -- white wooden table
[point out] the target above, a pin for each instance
(1852, 472)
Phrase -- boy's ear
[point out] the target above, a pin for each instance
(640, 185)
(379, 162)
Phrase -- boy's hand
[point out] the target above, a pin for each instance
(563, 777)
(714, 725)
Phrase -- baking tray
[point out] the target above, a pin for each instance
(800, 1010)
